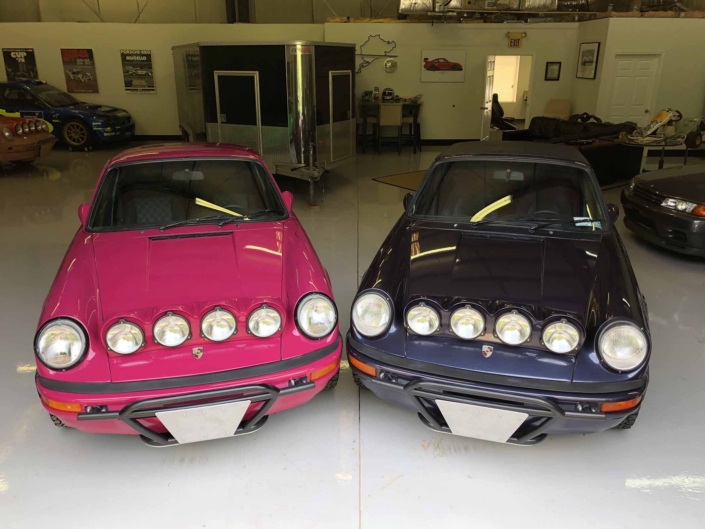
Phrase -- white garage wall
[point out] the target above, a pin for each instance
(585, 91)
(155, 114)
(452, 110)
(681, 41)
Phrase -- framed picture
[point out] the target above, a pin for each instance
(587, 60)
(553, 71)
(443, 66)
(79, 71)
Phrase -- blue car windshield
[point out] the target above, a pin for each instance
(52, 96)
(501, 190)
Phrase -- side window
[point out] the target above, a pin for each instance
(17, 97)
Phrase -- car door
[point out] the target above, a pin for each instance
(17, 101)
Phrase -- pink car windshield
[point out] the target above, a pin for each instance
(159, 193)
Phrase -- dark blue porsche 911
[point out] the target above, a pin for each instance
(76, 123)
(502, 305)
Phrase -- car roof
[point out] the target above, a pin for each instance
(23, 82)
(183, 150)
(525, 149)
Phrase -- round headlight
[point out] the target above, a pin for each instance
(124, 337)
(561, 336)
(171, 330)
(8, 134)
(32, 126)
(423, 320)
(371, 314)
(61, 344)
(218, 325)
(18, 129)
(513, 328)
(623, 346)
(467, 323)
(316, 316)
(264, 322)
(45, 126)
(25, 127)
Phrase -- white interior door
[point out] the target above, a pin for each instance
(487, 106)
(633, 88)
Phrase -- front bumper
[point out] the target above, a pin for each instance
(28, 151)
(113, 411)
(664, 227)
(550, 412)
(116, 133)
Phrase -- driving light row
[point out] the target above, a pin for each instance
(31, 126)
(172, 330)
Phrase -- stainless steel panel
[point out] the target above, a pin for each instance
(342, 138)
(276, 145)
(301, 99)
(323, 153)
(244, 135)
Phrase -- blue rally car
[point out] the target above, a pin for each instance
(76, 123)
(502, 305)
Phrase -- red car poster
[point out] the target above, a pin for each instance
(442, 66)
(79, 71)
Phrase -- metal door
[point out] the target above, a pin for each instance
(341, 131)
(237, 105)
(487, 107)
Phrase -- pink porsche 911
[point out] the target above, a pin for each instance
(190, 304)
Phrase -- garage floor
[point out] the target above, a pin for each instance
(346, 459)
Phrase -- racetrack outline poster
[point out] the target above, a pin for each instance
(138, 71)
(20, 63)
(79, 71)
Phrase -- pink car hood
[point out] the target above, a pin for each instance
(144, 273)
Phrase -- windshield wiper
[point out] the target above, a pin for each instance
(191, 222)
(255, 215)
(574, 222)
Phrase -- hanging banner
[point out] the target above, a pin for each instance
(137, 71)
(20, 63)
(79, 70)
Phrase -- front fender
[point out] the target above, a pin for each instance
(74, 294)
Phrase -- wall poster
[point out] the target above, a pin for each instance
(137, 71)
(20, 63)
(79, 70)
(587, 60)
(442, 66)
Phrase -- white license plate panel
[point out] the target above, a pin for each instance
(205, 422)
(478, 422)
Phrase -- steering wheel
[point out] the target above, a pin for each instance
(677, 116)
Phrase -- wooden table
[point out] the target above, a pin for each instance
(371, 109)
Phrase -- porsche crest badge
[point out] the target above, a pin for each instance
(197, 352)
(487, 351)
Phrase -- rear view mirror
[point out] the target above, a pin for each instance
(288, 200)
(508, 175)
(83, 210)
(407, 200)
(613, 212)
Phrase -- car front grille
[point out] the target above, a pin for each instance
(646, 194)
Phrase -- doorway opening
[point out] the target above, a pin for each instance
(507, 95)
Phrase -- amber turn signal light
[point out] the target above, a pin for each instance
(320, 373)
(622, 405)
(698, 211)
(62, 406)
(368, 370)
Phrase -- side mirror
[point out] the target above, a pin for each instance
(613, 212)
(407, 200)
(83, 210)
(288, 200)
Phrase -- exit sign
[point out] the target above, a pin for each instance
(515, 39)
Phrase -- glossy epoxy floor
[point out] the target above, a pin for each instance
(346, 459)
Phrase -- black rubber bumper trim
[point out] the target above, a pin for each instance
(499, 380)
(192, 380)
